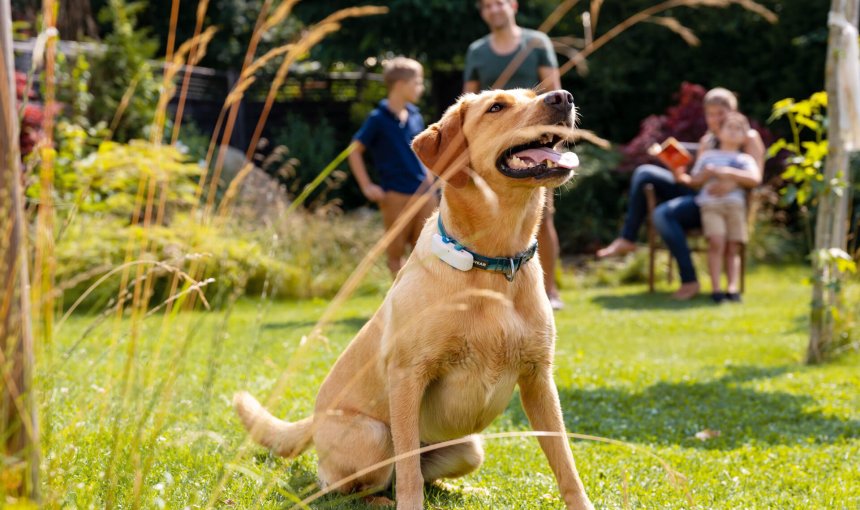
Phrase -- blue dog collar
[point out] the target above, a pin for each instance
(505, 265)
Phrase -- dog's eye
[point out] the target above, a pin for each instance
(497, 107)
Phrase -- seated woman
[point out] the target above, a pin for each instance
(677, 211)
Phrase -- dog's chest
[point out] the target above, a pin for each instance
(465, 400)
(476, 380)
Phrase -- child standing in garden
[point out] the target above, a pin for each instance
(387, 133)
(724, 219)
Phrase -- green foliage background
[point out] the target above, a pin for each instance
(632, 77)
(635, 75)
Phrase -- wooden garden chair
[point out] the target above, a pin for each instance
(695, 237)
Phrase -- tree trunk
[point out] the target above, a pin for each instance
(75, 20)
(18, 425)
(832, 220)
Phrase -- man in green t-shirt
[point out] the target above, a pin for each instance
(489, 66)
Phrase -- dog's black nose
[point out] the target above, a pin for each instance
(561, 100)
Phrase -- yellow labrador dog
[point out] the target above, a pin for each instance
(466, 320)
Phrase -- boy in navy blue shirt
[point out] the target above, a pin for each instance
(387, 134)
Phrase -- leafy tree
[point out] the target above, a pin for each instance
(635, 74)
(122, 77)
(235, 20)
(75, 21)
(435, 31)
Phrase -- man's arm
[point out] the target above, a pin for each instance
(549, 78)
(356, 163)
(470, 76)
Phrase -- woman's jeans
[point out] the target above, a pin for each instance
(677, 211)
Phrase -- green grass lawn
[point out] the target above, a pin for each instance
(631, 366)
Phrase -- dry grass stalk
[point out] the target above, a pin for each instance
(353, 12)
(317, 33)
(759, 9)
(312, 37)
(556, 15)
(123, 104)
(195, 48)
(174, 63)
(675, 26)
(256, 35)
(201, 183)
(202, 7)
(595, 12)
(279, 15)
(650, 12)
(160, 265)
(346, 290)
(233, 189)
(308, 41)
(260, 62)
(171, 33)
(319, 179)
(44, 262)
(142, 291)
(15, 395)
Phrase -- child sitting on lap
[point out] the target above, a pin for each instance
(724, 214)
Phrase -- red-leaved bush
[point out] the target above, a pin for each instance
(685, 121)
(34, 114)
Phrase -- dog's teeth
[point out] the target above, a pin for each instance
(516, 162)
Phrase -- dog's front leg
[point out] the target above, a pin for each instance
(406, 389)
(540, 401)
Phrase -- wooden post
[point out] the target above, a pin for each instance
(831, 223)
(18, 425)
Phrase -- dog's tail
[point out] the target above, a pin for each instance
(282, 437)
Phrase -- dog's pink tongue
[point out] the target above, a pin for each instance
(539, 155)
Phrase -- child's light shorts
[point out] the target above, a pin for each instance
(727, 220)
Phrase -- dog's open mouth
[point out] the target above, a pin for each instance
(541, 158)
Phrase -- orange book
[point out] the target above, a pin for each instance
(672, 154)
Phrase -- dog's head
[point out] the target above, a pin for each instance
(504, 136)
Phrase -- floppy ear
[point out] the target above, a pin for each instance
(443, 149)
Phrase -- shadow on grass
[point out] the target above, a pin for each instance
(354, 323)
(648, 301)
(672, 413)
(303, 482)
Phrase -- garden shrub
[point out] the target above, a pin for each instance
(299, 255)
(32, 118)
(685, 121)
(590, 207)
(302, 151)
(123, 66)
(303, 256)
(803, 184)
(106, 181)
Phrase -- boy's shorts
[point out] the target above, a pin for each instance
(727, 220)
(392, 206)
